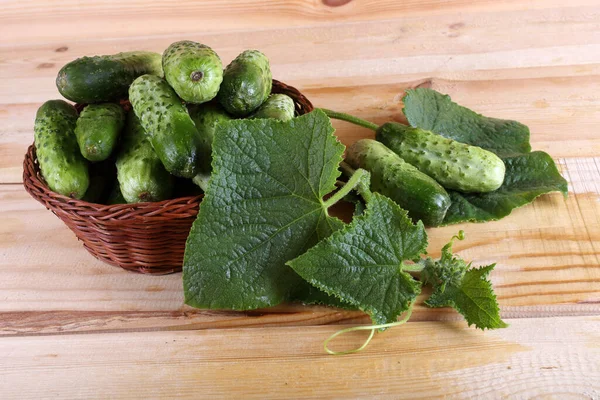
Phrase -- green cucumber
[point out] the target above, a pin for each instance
(277, 106)
(140, 172)
(247, 83)
(193, 70)
(455, 165)
(98, 128)
(206, 117)
(105, 78)
(62, 165)
(165, 119)
(419, 194)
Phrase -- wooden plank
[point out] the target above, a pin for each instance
(570, 110)
(454, 44)
(541, 358)
(547, 256)
(53, 21)
(420, 39)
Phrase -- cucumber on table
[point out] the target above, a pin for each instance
(414, 191)
(98, 128)
(277, 106)
(62, 165)
(247, 83)
(167, 123)
(105, 78)
(141, 174)
(193, 70)
(455, 165)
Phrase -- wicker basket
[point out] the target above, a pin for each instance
(141, 237)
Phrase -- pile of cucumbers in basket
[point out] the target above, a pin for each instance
(177, 99)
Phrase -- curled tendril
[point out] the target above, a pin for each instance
(371, 328)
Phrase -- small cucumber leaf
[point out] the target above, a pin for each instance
(362, 264)
(263, 206)
(467, 290)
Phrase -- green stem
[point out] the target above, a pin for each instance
(344, 190)
(371, 328)
(350, 118)
(416, 267)
(364, 190)
(347, 169)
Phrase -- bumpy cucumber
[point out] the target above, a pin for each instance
(193, 70)
(277, 106)
(98, 128)
(141, 174)
(455, 165)
(247, 83)
(105, 78)
(414, 191)
(166, 120)
(206, 117)
(62, 165)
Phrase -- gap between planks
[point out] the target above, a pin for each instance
(51, 323)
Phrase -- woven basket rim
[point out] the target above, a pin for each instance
(36, 187)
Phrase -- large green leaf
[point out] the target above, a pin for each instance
(362, 264)
(263, 207)
(528, 175)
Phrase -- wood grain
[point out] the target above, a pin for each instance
(74, 327)
(132, 18)
(531, 359)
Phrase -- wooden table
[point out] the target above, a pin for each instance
(72, 326)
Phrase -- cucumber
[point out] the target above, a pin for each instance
(454, 165)
(165, 119)
(140, 172)
(277, 106)
(247, 83)
(105, 78)
(98, 128)
(193, 70)
(62, 165)
(206, 117)
(414, 191)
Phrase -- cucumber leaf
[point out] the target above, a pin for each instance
(263, 207)
(362, 264)
(528, 174)
(467, 290)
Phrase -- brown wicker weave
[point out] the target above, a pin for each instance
(141, 237)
